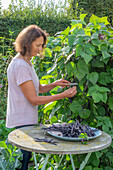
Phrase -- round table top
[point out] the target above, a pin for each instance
(23, 138)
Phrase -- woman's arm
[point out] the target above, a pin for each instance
(29, 92)
(48, 87)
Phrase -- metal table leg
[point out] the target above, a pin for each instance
(72, 162)
(60, 162)
(35, 160)
(73, 166)
(85, 161)
(45, 162)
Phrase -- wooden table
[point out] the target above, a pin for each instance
(23, 138)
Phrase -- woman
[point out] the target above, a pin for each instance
(24, 85)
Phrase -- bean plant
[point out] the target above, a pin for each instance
(82, 53)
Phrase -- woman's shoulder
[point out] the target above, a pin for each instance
(17, 64)
(19, 61)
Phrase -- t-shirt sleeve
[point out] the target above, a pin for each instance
(22, 74)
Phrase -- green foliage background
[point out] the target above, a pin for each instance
(98, 7)
(19, 16)
(81, 52)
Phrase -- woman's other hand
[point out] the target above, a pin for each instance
(70, 92)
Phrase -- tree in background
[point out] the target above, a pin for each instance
(98, 7)
(48, 15)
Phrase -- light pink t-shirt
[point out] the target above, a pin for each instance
(19, 110)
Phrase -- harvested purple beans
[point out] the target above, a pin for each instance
(46, 140)
(72, 130)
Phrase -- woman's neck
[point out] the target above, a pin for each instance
(27, 59)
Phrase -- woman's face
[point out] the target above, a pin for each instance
(36, 46)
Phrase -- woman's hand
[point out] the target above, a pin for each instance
(62, 82)
(70, 92)
(45, 88)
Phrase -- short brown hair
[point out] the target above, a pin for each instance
(26, 37)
